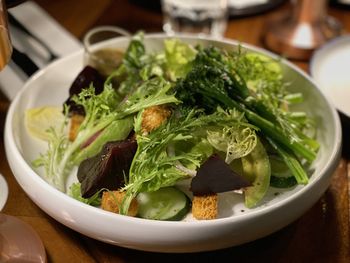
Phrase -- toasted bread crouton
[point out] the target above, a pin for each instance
(75, 122)
(153, 117)
(112, 199)
(205, 207)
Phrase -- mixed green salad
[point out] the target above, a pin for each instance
(226, 124)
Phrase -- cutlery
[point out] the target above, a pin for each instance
(15, 23)
(25, 63)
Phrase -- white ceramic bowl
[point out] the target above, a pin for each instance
(236, 224)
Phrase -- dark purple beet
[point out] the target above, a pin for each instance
(87, 76)
(108, 168)
(216, 176)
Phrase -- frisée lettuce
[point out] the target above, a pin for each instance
(233, 104)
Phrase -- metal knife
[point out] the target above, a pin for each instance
(25, 63)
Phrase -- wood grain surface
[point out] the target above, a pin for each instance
(322, 234)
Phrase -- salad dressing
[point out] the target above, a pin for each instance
(105, 60)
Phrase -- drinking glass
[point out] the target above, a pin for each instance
(204, 17)
(5, 43)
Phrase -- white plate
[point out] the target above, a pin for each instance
(3, 192)
(235, 226)
(330, 67)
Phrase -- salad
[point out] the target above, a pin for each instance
(167, 131)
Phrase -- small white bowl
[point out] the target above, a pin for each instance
(329, 66)
(236, 224)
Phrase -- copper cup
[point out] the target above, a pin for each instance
(5, 43)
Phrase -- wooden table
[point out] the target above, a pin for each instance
(320, 235)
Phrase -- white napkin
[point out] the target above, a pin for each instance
(43, 26)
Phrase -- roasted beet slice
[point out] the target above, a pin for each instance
(216, 176)
(108, 168)
(87, 76)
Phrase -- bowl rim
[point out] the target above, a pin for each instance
(11, 146)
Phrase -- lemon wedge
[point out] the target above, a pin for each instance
(39, 120)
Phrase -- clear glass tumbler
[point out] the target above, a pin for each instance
(5, 43)
(203, 17)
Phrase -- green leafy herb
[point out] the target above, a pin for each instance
(102, 113)
(216, 80)
(153, 167)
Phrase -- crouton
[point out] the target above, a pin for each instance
(75, 122)
(205, 207)
(153, 117)
(111, 201)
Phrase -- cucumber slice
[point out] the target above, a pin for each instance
(168, 203)
(280, 174)
(283, 182)
(256, 166)
(279, 167)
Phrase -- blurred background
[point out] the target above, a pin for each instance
(78, 16)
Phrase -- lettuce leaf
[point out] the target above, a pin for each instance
(236, 141)
(102, 112)
(75, 192)
(179, 56)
